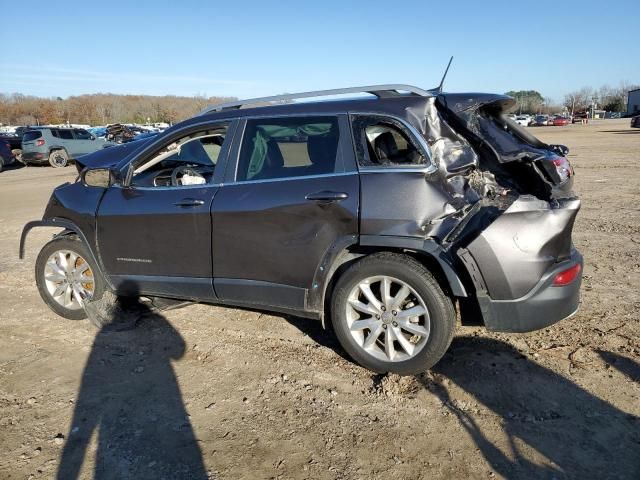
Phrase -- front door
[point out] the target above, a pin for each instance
(294, 196)
(154, 235)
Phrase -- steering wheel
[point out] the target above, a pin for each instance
(181, 171)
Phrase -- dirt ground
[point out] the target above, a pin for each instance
(209, 391)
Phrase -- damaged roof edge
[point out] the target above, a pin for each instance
(380, 91)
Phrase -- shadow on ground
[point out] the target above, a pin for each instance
(621, 131)
(623, 364)
(543, 414)
(130, 399)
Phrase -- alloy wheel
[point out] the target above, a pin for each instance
(69, 279)
(387, 318)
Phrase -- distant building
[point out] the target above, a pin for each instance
(633, 101)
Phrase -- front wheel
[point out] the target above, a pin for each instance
(390, 314)
(67, 278)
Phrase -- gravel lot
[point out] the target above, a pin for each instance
(209, 391)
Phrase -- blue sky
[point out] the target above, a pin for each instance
(246, 49)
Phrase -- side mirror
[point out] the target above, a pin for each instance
(98, 177)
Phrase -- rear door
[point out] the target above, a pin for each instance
(66, 140)
(83, 141)
(290, 199)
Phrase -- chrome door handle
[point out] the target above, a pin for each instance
(327, 196)
(189, 202)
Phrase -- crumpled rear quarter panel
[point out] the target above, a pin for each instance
(523, 243)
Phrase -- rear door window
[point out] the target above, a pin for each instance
(30, 136)
(289, 147)
(65, 134)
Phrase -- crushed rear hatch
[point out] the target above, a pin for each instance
(513, 205)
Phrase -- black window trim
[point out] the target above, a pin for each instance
(417, 139)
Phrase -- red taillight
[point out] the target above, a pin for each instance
(40, 142)
(563, 167)
(567, 276)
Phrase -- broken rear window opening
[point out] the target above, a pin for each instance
(382, 141)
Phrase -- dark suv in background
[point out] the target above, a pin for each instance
(56, 146)
(381, 215)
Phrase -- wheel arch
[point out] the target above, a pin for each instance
(427, 252)
(58, 147)
(70, 228)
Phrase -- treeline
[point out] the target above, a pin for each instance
(611, 99)
(100, 109)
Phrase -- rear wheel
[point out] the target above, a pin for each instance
(58, 158)
(390, 314)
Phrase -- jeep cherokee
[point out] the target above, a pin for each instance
(382, 215)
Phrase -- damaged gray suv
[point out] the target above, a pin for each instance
(382, 215)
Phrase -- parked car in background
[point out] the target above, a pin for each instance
(541, 120)
(57, 146)
(561, 121)
(341, 210)
(580, 117)
(523, 120)
(6, 155)
(635, 122)
(15, 144)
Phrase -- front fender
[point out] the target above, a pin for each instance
(69, 228)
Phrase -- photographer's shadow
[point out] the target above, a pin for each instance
(130, 399)
(541, 412)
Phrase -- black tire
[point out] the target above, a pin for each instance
(1, 163)
(408, 270)
(59, 158)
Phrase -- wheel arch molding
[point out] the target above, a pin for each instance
(343, 253)
(70, 228)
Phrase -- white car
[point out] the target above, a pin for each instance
(523, 120)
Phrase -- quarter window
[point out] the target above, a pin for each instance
(384, 141)
(288, 147)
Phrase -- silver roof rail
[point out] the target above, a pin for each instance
(380, 91)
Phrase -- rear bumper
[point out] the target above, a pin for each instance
(544, 305)
(38, 158)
